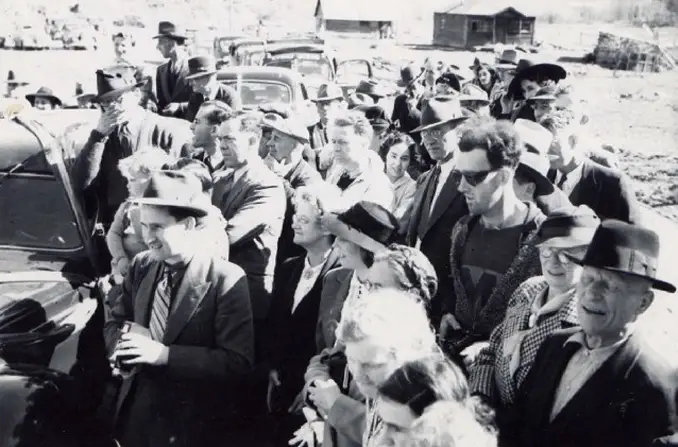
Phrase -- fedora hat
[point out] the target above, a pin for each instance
(509, 59)
(530, 68)
(376, 116)
(175, 189)
(276, 108)
(449, 79)
(535, 136)
(409, 74)
(371, 88)
(441, 110)
(625, 248)
(366, 224)
(359, 99)
(290, 127)
(114, 84)
(169, 29)
(44, 92)
(199, 66)
(329, 92)
(570, 226)
(473, 93)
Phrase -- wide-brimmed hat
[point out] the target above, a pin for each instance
(535, 136)
(529, 68)
(114, 84)
(278, 108)
(509, 59)
(534, 163)
(175, 189)
(571, 226)
(449, 79)
(169, 29)
(359, 99)
(328, 92)
(625, 248)
(371, 88)
(199, 66)
(473, 93)
(366, 224)
(547, 93)
(289, 126)
(409, 74)
(44, 92)
(441, 110)
(376, 116)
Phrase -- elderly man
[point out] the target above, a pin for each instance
(123, 128)
(172, 87)
(603, 384)
(188, 338)
(202, 76)
(329, 102)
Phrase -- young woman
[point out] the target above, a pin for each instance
(399, 154)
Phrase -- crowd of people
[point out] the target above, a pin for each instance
(463, 270)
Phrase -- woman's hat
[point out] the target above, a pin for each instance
(114, 84)
(625, 248)
(441, 110)
(408, 75)
(175, 189)
(169, 29)
(329, 92)
(473, 93)
(530, 68)
(568, 227)
(44, 92)
(199, 66)
(376, 116)
(449, 79)
(366, 224)
(371, 88)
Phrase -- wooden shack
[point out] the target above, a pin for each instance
(631, 54)
(474, 23)
(361, 18)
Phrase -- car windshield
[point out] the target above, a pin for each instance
(254, 93)
(308, 64)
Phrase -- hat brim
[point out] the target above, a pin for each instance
(274, 126)
(31, 97)
(553, 71)
(328, 99)
(380, 124)
(169, 36)
(457, 120)
(202, 74)
(119, 91)
(466, 98)
(577, 237)
(339, 229)
(657, 284)
(200, 210)
(543, 184)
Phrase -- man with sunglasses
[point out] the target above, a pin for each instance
(493, 248)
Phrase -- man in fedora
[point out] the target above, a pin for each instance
(329, 101)
(191, 338)
(202, 76)
(44, 99)
(289, 136)
(371, 88)
(437, 203)
(123, 128)
(406, 107)
(603, 383)
(376, 115)
(475, 99)
(172, 87)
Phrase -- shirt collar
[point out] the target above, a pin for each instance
(308, 266)
(580, 338)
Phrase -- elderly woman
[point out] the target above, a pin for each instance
(399, 154)
(451, 424)
(540, 306)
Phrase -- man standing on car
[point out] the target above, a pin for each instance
(202, 76)
(189, 338)
(172, 87)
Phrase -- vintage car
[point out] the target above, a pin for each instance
(260, 85)
(244, 51)
(53, 364)
(222, 46)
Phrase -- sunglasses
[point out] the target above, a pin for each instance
(549, 252)
(472, 178)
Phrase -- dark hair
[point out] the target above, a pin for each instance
(182, 213)
(420, 383)
(498, 139)
(395, 137)
(219, 113)
(494, 76)
(412, 270)
(366, 256)
(195, 167)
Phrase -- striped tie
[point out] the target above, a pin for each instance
(161, 305)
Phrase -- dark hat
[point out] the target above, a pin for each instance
(199, 66)
(529, 68)
(277, 108)
(449, 79)
(329, 92)
(113, 84)
(627, 249)
(440, 110)
(371, 88)
(359, 99)
(289, 126)
(570, 226)
(169, 29)
(44, 92)
(473, 93)
(408, 75)
(175, 189)
(376, 115)
(509, 59)
(366, 224)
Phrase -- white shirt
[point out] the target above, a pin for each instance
(445, 171)
(572, 180)
(307, 280)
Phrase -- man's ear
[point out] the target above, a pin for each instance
(646, 301)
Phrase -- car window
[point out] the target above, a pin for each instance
(308, 64)
(352, 71)
(255, 93)
(36, 213)
(54, 300)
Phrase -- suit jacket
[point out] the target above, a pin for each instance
(96, 172)
(210, 336)
(606, 191)
(630, 401)
(189, 109)
(436, 234)
(334, 293)
(171, 84)
(318, 136)
(254, 207)
(302, 174)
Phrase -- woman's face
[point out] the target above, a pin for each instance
(559, 271)
(397, 419)
(529, 88)
(307, 229)
(484, 77)
(349, 254)
(542, 108)
(381, 276)
(397, 160)
(371, 364)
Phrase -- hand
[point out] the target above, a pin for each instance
(109, 118)
(448, 324)
(324, 393)
(120, 266)
(471, 353)
(171, 109)
(141, 350)
(309, 434)
(273, 383)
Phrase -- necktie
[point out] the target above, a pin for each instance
(161, 305)
(125, 140)
(561, 182)
(344, 181)
(427, 206)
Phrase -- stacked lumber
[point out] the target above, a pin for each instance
(631, 54)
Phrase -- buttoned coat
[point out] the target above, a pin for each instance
(171, 84)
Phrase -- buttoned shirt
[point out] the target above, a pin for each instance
(307, 280)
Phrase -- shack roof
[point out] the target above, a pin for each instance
(355, 10)
(489, 8)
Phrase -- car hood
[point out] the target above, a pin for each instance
(19, 260)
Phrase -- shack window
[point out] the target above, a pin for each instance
(513, 27)
(481, 26)
(525, 27)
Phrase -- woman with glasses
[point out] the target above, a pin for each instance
(540, 306)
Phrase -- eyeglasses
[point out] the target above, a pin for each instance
(560, 253)
(432, 134)
(472, 178)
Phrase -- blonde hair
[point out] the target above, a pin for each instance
(355, 120)
(321, 195)
(143, 162)
(451, 424)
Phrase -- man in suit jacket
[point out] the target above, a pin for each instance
(602, 384)
(285, 147)
(205, 127)
(329, 102)
(437, 204)
(172, 87)
(202, 76)
(190, 339)
(606, 191)
(123, 128)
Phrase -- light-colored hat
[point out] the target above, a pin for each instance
(473, 93)
(535, 136)
(175, 189)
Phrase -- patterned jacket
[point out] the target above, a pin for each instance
(490, 375)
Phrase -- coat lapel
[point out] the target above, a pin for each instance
(189, 295)
(236, 190)
(144, 294)
(417, 208)
(447, 195)
(179, 81)
(163, 72)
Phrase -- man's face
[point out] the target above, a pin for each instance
(529, 88)
(204, 133)
(349, 147)
(165, 46)
(166, 238)
(608, 302)
(235, 144)
(281, 146)
(205, 85)
(328, 109)
(481, 185)
(441, 141)
(125, 102)
(542, 108)
(42, 103)
(562, 151)
(120, 46)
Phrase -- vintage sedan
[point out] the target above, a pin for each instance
(52, 353)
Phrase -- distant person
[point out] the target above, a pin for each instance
(202, 76)
(172, 87)
(44, 99)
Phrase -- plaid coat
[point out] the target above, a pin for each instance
(490, 375)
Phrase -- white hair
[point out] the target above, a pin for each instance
(450, 424)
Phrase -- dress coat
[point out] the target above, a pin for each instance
(188, 110)
(171, 84)
(193, 399)
(629, 401)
